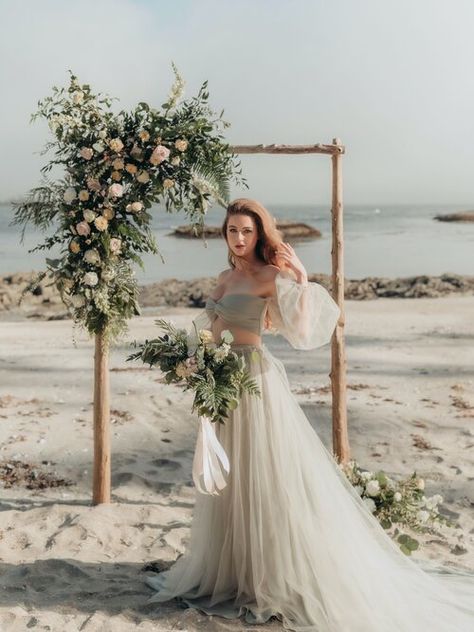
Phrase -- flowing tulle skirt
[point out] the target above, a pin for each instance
(290, 537)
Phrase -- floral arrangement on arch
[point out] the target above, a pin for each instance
(116, 167)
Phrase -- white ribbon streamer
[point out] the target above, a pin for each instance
(210, 459)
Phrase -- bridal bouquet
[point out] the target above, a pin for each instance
(397, 502)
(216, 374)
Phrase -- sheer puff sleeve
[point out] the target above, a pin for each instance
(304, 313)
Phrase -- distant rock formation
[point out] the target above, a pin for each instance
(289, 229)
(462, 216)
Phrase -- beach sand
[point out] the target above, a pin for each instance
(66, 565)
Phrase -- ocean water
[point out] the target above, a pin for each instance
(383, 240)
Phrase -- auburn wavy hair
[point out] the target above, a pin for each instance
(269, 237)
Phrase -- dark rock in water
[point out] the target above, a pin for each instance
(462, 216)
(288, 228)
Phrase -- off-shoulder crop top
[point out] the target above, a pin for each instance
(241, 310)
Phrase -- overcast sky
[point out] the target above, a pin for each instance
(394, 79)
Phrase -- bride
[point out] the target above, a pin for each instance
(286, 534)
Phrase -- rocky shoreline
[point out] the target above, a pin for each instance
(462, 216)
(44, 302)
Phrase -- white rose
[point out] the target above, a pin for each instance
(89, 216)
(90, 278)
(222, 352)
(92, 256)
(365, 476)
(359, 489)
(369, 503)
(423, 515)
(70, 195)
(397, 497)
(99, 147)
(102, 134)
(373, 488)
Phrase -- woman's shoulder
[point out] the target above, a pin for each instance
(268, 272)
(223, 275)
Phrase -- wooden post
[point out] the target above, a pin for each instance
(338, 360)
(101, 480)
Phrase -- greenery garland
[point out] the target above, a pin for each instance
(116, 167)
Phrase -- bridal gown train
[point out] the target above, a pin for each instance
(289, 536)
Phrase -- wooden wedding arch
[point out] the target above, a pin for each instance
(340, 437)
(102, 456)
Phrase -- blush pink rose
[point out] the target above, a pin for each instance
(160, 153)
(83, 229)
(116, 190)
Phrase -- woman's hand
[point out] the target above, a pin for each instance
(286, 255)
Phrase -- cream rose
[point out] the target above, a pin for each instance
(83, 229)
(78, 300)
(143, 177)
(144, 135)
(116, 175)
(83, 195)
(181, 144)
(115, 245)
(160, 153)
(168, 183)
(206, 336)
(134, 207)
(90, 278)
(118, 164)
(92, 256)
(101, 223)
(70, 195)
(116, 145)
(86, 153)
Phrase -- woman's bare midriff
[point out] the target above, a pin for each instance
(241, 336)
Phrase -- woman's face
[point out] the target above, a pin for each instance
(242, 235)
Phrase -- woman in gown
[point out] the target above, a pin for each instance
(288, 535)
